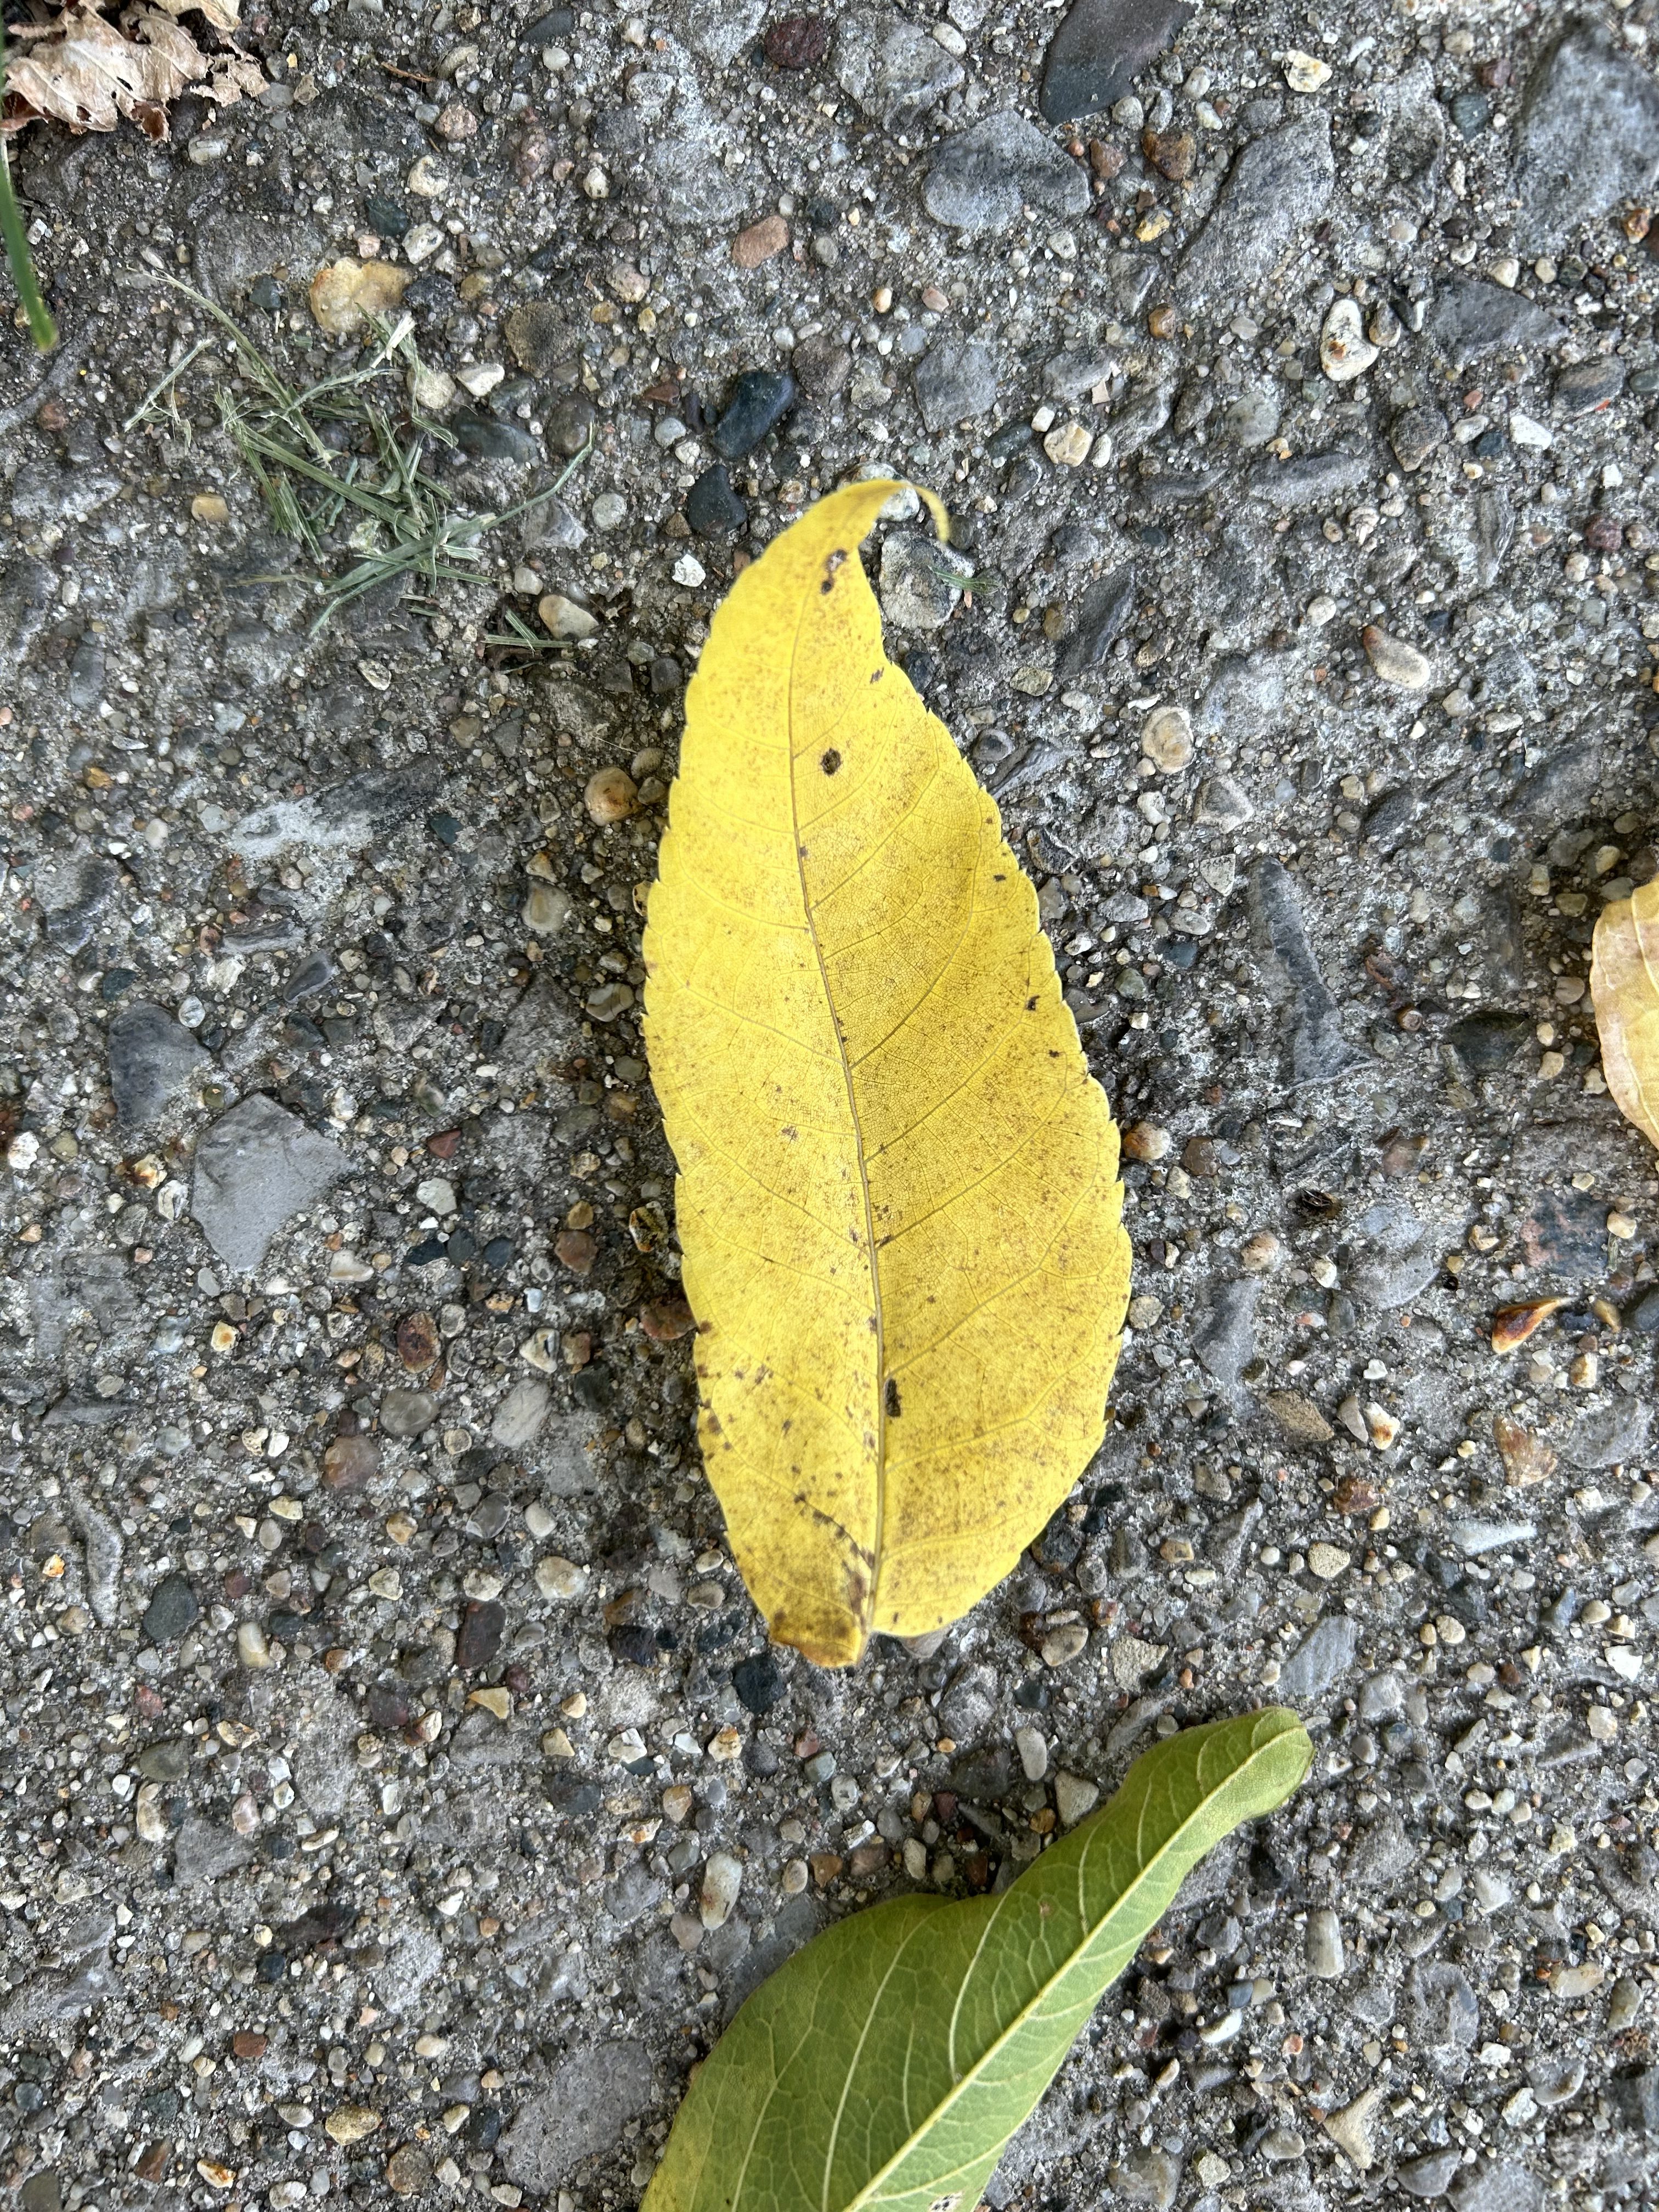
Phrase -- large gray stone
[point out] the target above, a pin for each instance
(1471, 318)
(589, 2100)
(1101, 47)
(983, 177)
(891, 68)
(1589, 136)
(1322, 1658)
(1319, 1052)
(1277, 188)
(152, 1061)
(256, 1167)
(956, 378)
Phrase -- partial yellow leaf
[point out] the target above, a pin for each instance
(898, 1201)
(345, 294)
(82, 70)
(1624, 987)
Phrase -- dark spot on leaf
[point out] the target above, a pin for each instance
(876, 675)
(890, 1398)
(831, 762)
(1030, 1005)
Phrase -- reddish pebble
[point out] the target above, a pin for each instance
(666, 1319)
(443, 1146)
(417, 1341)
(349, 1461)
(760, 242)
(577, 1250)
(248, 2043)
(797, 42)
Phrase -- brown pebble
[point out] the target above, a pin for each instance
(1527, 1458)
(610, 794)
(408, 2169)
(1171, 153)
(797, 42)
(1512, 1325)
(1105, 160)
(1146, 1141)
(826, 1867)
(1602, 534)
(1353, 1494)
(664, 1319)
(1298, 1418)
(1164, 322)
(577, 1250)
(867, 1859)
(1400, 1154)
(349, 1461)
(443, 1146)
(457, 122)
(532, 157)
(760, 242)
(1198, 1156)
(417, 1341)
(248, 2043)
(153, 2161)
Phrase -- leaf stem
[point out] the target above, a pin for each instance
(42, 328)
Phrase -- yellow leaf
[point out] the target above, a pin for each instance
(898, 1201)
(1624, 987)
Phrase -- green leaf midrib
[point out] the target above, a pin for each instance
(1074, 1961)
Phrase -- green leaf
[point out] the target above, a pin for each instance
(888, 2063)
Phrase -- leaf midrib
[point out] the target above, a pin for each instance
(868, 1610)
(867, 2195)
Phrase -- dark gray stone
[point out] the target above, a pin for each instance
(956, 378)
(760, 400)
(408, 1414)
(712, 507)
(1277, 188)
(342, 818)
(590, 2098)
(1589, 384)
(1589, 135)
(891, 69)
(984, 176)
(1224, 1343)
(172, 1610)
(152, 1061)
(1319, 1051)
(1558, 787)
(255, 1167)
(1386, 823)
(483, 439)
(1320, 1660)
(1635, 2100)
(1101, 47)
(1102, 613)
(1471, 318)
(1488, 1042)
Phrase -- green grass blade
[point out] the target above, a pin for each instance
(885, 2067)
(42, 328)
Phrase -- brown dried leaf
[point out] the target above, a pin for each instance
(1624, 987)
(85, 71)
(223, 15)
(345, 294)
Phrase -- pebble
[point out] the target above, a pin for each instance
(891, 69)
(560, 1578)
(611, 795)
(1305, 72)
(1033, 1751)
(352, 2124)
(1394, 662)
(562, 617)
(408, 1414)
(712, 508)
(349, 1461)
(722, 1879)
(1471, 318)
(760, 242)
(760, 400)
(1322, 1659)
(256, 1167)
(1345, 351)
(1319, 1052)
(1166, 739)
(1323, 1946)
(172, 1610)
(251, 1648)
(1074, 1797)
